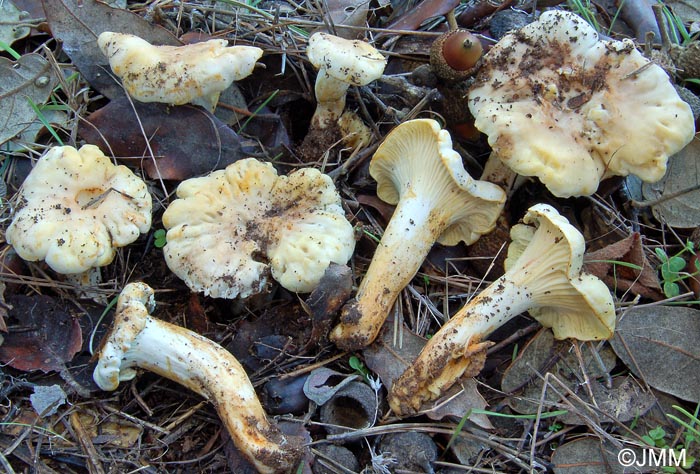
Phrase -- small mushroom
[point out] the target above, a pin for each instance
(194, 73)
(229, 229)
(543, 276)
(138, 340)
(436, 200)
(560, 104)
(76, 208)
(340, 63)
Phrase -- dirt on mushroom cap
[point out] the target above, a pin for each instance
(559, 104)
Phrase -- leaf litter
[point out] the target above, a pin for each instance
(606, 392)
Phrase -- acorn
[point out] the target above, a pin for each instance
(455, 55)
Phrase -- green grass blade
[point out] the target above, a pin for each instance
(6, 47)
(256, 111)
(43, 120)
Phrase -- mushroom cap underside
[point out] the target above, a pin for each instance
(417, 159)
(134, 305)
(546, 256)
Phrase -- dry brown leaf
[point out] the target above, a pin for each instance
(412, 18)
(348, 13)
(78, 23)
(23, 83)
(389, 360)
(186, 141)
(44, 334)
(683, 173)
(643, 282)
(661, 345)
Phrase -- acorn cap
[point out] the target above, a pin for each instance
(455, 55)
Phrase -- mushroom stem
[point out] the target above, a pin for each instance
(436, 201)
(457, 350)
(413, 229)
(330, 100)
(545, 279)
(87, 284)
(497, 172)
(138, 340)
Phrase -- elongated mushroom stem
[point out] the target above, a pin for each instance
(138, 340)
(543, 277)
(436, 201)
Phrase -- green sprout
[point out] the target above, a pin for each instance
(657, 438)
(678, 31)
(585, 10)
(359, 367)
(692, 426)
(672, 268)
(159, 238)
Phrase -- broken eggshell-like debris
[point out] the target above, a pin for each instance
(195, 73)
(76, 208)
(558, 103)
(137, 340)
(543, 276)
(227, 231)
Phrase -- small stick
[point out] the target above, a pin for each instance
(99, 198)
(664, 198)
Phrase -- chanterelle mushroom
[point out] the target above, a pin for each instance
(543, 276)
(138, 340)
(560, 104)
(227, 230)
(76, 208)
(194, 73)
(340, 63)
(436, 201)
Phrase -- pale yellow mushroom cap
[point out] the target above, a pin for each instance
(229, 229)
(547, 252)
(352, 61)
(560, 104)
(76, 207)
(193, 73)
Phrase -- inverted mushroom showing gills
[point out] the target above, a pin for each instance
(543, 276)
(560, 104)
(436, 201)
(76, 208)
(340, 63)
(194, 73)
(227, 231)
(137, 340)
